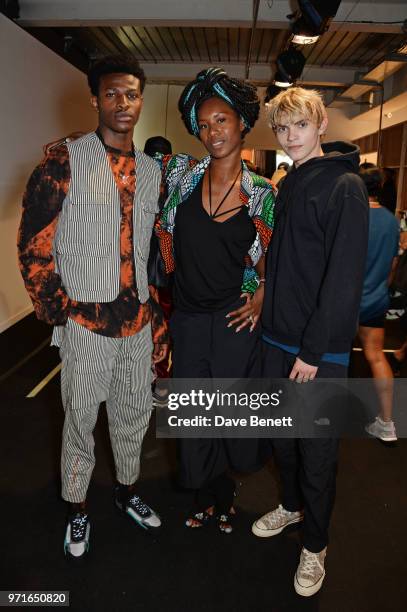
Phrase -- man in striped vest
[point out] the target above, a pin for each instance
(88, 214)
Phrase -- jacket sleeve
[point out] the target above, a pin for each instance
(172, 169)
(159, 326)
(42, 203)
(263, 218)
(346, 228)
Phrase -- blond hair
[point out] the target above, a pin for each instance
(296, 101)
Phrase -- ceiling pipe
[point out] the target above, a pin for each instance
(256, 5)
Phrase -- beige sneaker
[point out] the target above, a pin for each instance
(275, 521)
(383, 430)
(310, 572)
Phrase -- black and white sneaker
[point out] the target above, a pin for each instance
(137, 510)
(160, 400)
(76, 542)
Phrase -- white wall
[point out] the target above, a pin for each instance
(160, 117)
(42, 98)
(394, 112)
(370, 158)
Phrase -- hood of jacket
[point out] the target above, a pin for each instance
(346, 154)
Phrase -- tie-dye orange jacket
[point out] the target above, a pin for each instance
(42, 203)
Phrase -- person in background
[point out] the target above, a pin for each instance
(88, 214)
(387, 196)
(214, 231)
(250, 165)
(365, 165)
(381, 261)
(398, 304)
(157, 145)
(314, 279)
(280, 174)
(160, 283)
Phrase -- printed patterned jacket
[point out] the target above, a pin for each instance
(181, 174)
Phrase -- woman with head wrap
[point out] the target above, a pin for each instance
(214, 230)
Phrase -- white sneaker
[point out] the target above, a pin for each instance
(310, 572)
(383, 430)
(275, 521)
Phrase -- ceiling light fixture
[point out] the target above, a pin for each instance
(312, 20)
(281, 81)
(271, 92)
(290, 65)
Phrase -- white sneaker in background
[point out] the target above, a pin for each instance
(383, 430)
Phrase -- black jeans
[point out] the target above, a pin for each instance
(307, 466)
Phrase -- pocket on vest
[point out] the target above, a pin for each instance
(88, 274)
(82, 232)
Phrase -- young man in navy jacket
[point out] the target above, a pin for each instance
(314, 278)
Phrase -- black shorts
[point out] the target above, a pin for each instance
(374, 322)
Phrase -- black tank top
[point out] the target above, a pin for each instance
(209, 256)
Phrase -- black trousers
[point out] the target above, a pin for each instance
(307, 466)
(204, 347)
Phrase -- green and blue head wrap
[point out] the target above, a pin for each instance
(214, 82)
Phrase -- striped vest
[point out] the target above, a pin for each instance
(87, 240)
